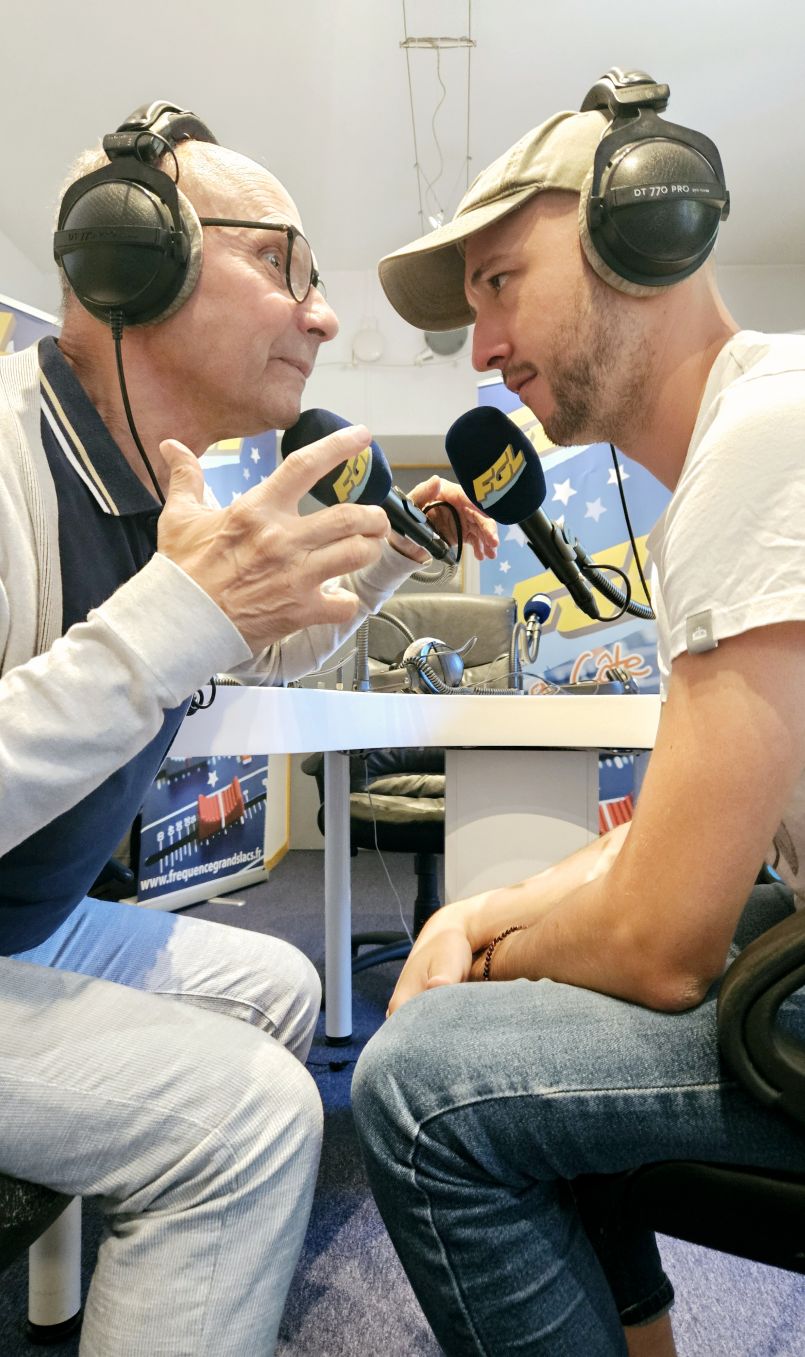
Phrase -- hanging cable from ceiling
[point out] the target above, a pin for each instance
(438, 215)
(437, 45)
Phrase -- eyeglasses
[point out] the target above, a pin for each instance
(295, 262)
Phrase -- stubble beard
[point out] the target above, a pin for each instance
(601, 391)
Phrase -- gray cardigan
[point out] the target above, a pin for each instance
(74, 708)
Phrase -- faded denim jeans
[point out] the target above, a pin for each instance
(477, 1106)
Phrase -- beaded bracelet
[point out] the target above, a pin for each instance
(515, 928)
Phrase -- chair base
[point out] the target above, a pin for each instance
(391, 951)
(396, 946)
(48, 1335)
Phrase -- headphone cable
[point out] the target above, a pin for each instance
(116, 324)
(629, 523)
(197, 701)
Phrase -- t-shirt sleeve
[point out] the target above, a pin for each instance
(733, 546)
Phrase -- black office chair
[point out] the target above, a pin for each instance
(739, 1209)
(114, 881)
(26, 1211)
(397, 795)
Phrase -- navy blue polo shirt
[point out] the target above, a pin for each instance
(107, 532)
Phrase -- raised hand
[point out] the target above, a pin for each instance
(480, 531)
(259, 559)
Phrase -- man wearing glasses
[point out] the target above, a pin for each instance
(200, 1137)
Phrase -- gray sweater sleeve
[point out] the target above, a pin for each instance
(71, 716)
(306, 651)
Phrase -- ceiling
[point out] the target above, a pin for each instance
(318, 91)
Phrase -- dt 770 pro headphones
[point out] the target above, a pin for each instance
(128, 239)
(654, 198)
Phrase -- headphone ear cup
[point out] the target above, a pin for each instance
(120, 250)
(195, 242)
(654, 204)
(595, 260)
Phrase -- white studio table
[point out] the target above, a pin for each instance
(521, 779)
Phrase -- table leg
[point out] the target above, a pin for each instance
(54, 1278)
(337, 901)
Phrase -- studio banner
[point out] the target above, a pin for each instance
(202, 827)
(583, 496)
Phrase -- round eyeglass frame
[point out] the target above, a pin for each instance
(293, 234)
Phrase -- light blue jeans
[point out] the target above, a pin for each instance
(477, 1106)
(199, 1135)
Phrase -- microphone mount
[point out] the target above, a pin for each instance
(573, 552)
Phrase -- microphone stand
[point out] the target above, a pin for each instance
(524, 648)
(361, 682)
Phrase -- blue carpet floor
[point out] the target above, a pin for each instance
(349, 1297)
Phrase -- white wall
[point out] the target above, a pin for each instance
(765, 298)
(395, 395)
(22, 282)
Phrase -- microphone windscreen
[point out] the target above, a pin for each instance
(496, 464)
(363, 479)
(537, 607)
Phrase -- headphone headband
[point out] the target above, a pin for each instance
(167, 122)
(621, 92)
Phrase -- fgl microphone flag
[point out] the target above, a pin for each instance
(364, 479)
(500, 472)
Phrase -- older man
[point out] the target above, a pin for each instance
(582, 255)
(201, 1137)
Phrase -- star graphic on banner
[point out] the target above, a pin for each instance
(499, 589)
(255, 454)
(561, 519)
(264, 478)
(613, 480)
(594, 509)
(236, 494)
(505, 567)
(562, 490)
(247, 475)
(515, 534)
(212, 778)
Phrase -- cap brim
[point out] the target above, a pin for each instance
(424, 281)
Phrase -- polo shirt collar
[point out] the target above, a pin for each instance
(85, 440)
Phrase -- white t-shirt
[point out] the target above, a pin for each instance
(728, 554)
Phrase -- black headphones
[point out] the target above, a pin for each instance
(653, 201)
(128, 239)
